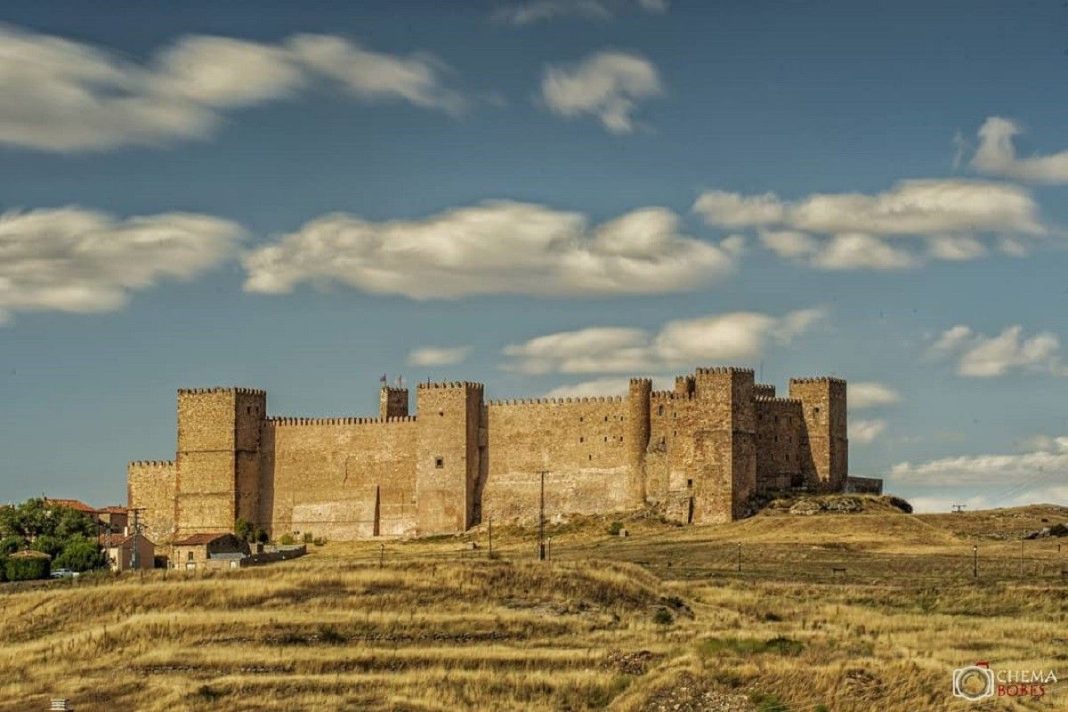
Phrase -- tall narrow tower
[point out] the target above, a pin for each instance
(218, 459)
(824, 446)
(638, 404)
(448, 455)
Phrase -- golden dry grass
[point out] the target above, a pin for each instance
(439, 626)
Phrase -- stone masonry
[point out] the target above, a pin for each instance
(700, 452)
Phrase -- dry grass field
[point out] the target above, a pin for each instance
(867, 611)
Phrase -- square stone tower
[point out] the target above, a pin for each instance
(218, 458)
(449, 455)
(824, 446)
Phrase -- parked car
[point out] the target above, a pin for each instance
(64, 573)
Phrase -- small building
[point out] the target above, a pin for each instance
(201, 551)
(114, 519)
(121, 549)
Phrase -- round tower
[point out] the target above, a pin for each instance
(639, 395)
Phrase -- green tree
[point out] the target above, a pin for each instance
(48, 544)
(80, 554)
(11, 543)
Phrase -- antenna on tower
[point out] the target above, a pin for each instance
(958, 508)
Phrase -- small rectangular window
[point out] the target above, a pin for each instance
(439, 462)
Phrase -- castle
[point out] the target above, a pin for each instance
(700, 452)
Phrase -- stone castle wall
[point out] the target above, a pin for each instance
(700, 452)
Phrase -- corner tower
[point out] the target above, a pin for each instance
(824, 447)
(218, 458)
(448, 456)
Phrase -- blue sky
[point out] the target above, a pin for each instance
(545, 196)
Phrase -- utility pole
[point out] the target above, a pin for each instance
(135, 539)
(541, 519)
(975, 561)
(739, 557)
(958, 508)
(381, 555)
(490, 555)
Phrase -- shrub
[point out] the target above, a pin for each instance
(615, 528)
(244, 530)
(286, 540)
(3, 565)
(663, 616)
(328, 634)
(769, 703)
(319, 541)
(1058, 530)
(308, 537)
(261, 536)
(10, 544)
(27, 568)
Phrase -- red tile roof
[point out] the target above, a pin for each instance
(70, 504)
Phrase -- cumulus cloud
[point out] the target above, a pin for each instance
(76, 260)
(1037, 475)
(981, 356)
(61, 95)
(606, 84)
(736, 336)
(866, 431)
(492, 248)
(529, 13)
(868, 394)
(886, 230)
(604, 387)
(996, 155)
(438, 355)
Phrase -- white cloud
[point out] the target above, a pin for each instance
(492, 248)
(866, 431)
(869, 394)
(604, 387)
(1039, 475)
(724, 209)
(736, 336)
(61, 95)
(605, 84)
(854, 230)
(438, 355)
(996, 155)
(981, 356)
(528, 13)
(76, 260)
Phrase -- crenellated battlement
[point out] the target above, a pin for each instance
(819, 379)
(150, 463)
(556, 401)
(641, 382)
(452, 384)
(777, 400)
(722, 370)
(291, 421)
(672, 395)
(222, 389)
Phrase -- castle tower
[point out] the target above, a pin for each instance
(824, 445)
(638, 404)
(449, 456)
(218, 458)
(392, 402)
(724, 444)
